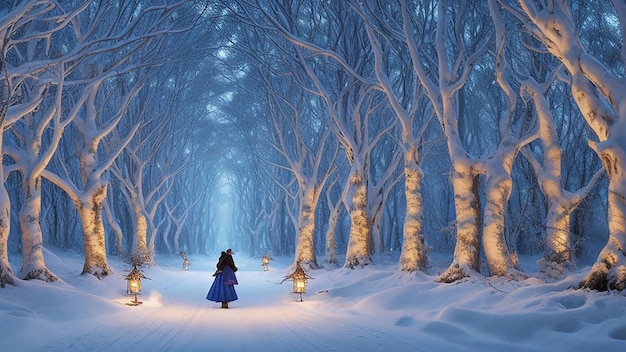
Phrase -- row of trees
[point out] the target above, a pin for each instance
(91, 98)
(346, 128)
(518, 95)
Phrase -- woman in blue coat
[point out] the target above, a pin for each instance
(223, 287)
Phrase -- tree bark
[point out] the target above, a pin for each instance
(467, 249)
(33, 263)
(498, 189)
(413, 255)
(6, 272)
(305, 249)
(90, 210)
(358, 252)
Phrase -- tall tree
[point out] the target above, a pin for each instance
(406, 98)
(443, 77)
(560, 202)
(35, 139)
(601, 96)
(131, 36)
(304, 146)
(29, 67)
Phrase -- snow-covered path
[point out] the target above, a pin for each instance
(371, 309)
(178, 318)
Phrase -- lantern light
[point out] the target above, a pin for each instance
(299, 278)
(265, 261)
(134, 284)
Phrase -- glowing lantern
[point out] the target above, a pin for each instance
(299, 285)
(134, 284)
(299, 278)
(266, 263)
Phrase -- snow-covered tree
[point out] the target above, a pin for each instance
(30, 65)
(560, 202)
(35, 139)
(304, 146)
(385, 174)
(396, 79)
(601, 95)
(139, 166)
(443, 76)
(514, 132)
(115, 53)
(442, 92)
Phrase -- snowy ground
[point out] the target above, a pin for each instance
(374, 309)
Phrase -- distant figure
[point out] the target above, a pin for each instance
(185, 260)
(223, 287)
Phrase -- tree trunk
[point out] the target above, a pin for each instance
(413, 255)
(143, 254)
(359, 244)
(117, 230)
(90, 211)
(165, 239)
(498, 169)
(330, 255)
(305, 250)
(467, 248)
(6, 273)
(33, 263)
(376, 210)
(466, 202)
(557, 250)
(497, 253)
(609, 271)
(141, 229)
(557, 253)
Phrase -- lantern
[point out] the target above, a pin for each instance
(265, 262)
(134, 284)
(299, 285)
(299, 278)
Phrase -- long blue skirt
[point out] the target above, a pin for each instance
(223, 289)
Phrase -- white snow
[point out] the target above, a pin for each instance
(371, 309)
